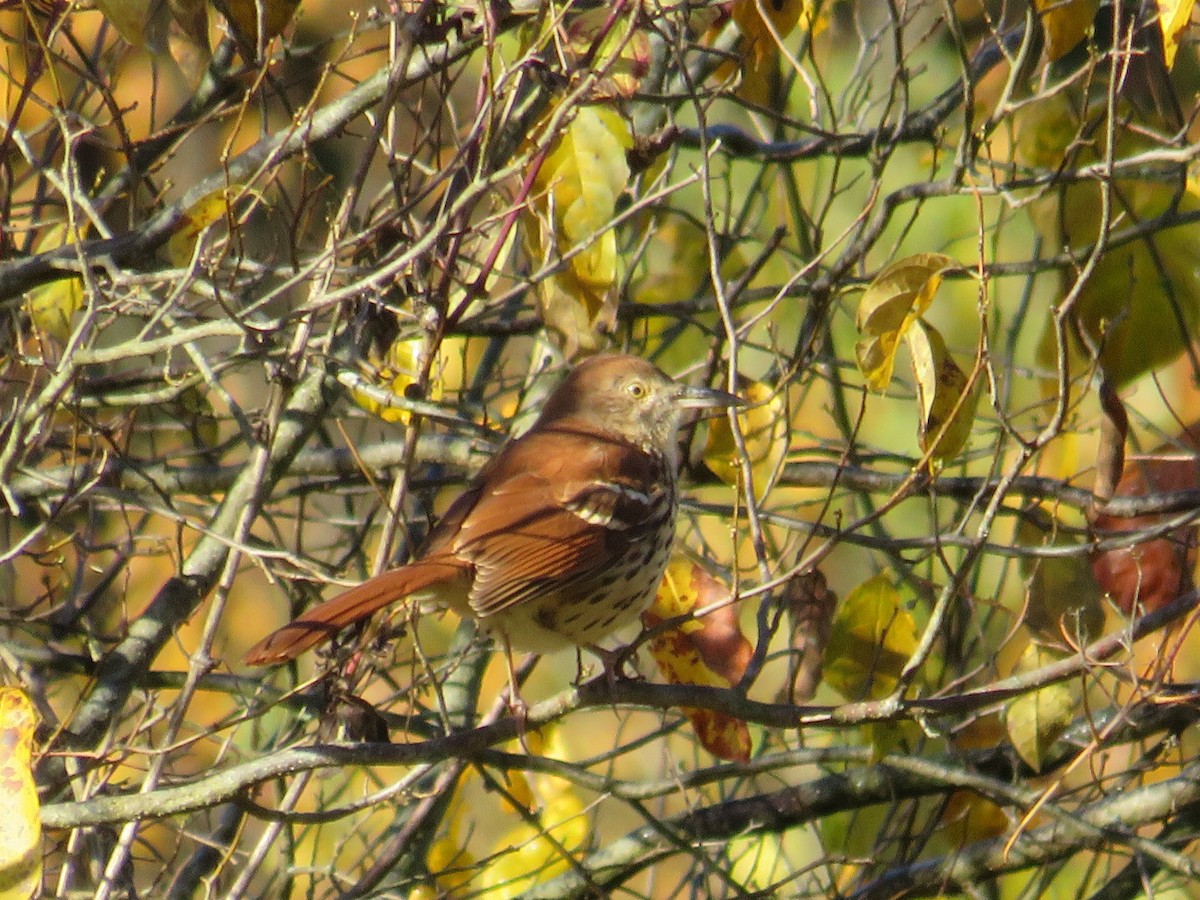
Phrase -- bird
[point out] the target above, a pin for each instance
(563, 536)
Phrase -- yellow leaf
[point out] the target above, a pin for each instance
(1173, 17)
(397, 372)
(571, 212)
(758, 864)
(210, 208)
(176, 26)
(619, 49)
(1065, 23)
(245, 15)
(764, 428)
(675, 265)
(941, 387)
(872, 638)
(21, 823)
(897, 297)
(448, 860)
(51, 306)
(529, 854)
(1038, 719)
(710, 650)
(1140, 307)
(752, 18)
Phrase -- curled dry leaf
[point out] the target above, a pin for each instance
(1151, 573)
(1110, 454)
(710, 650)
(810, 605)
(946, 393)
(889, 306)
(348, 717)
(21, 823)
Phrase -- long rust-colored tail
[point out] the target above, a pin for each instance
(322, 622)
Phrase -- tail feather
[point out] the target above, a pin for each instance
(322, 622)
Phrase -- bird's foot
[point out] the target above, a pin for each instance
(612, 663)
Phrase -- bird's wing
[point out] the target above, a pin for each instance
(543, 528)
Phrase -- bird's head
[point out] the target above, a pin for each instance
(630, 397)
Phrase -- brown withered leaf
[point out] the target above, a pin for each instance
(710, 650)
(1151, 573)
(810, 605)
(350, 718)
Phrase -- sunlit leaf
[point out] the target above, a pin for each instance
(1173, 17)
(765, 431)
(1037, 719)
(448, 860)
(710, 650)
(571, 212)
(675, 266)
(161, 26)
(872, 639)
(209, 209)
(1141, 306)
(188, 37)
(758, 863)
(21, 823)
(897, 297)
(944, 391)
(529, 854)
(967, 816)
(396, 374)
(1065, 23)
(620, 50)
(763, 25)
(143, 23)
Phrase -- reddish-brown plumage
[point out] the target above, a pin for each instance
(562, 537)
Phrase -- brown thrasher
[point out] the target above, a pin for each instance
(563, 536)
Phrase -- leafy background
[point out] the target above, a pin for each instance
(270, 298)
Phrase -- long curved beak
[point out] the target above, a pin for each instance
(707, 398)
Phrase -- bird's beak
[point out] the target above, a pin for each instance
(707, 398)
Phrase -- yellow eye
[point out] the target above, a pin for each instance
(636, 389)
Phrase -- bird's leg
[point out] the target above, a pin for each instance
(515, 703)
(613, 662)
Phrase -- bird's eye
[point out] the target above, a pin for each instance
(636, 389)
